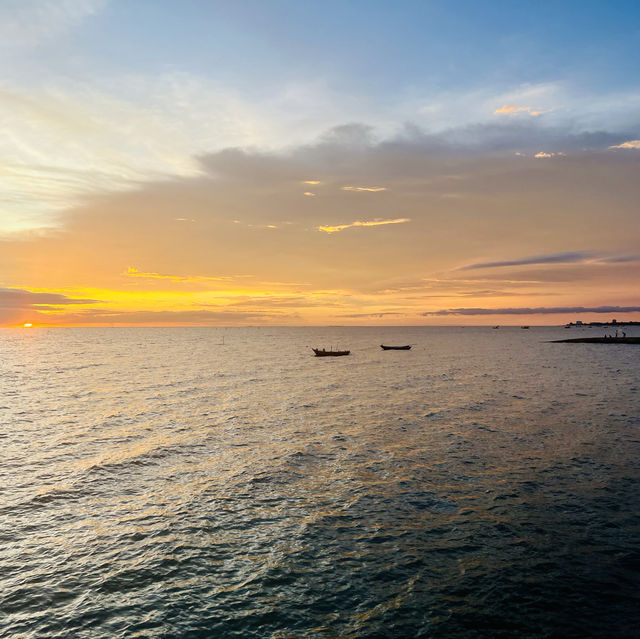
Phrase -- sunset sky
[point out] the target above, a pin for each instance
(339, 162)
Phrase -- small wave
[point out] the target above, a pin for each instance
(81, 367)
(434, 414)
(485, 428)
(44, 498)
(152, 455)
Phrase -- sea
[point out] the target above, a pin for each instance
(224, 482)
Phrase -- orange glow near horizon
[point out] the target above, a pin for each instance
(292, 305)
(452, 244)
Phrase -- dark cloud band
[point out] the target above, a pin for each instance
(17, 298)
(569, 257)
(540, 310)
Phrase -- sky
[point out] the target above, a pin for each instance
(277, 162)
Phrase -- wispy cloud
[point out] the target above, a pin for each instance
(296, 300)
(370, 189)
(342, 227)
(29, 23)
(24, 299)
(619, 259)
(198, 317)
(512, 109)
(66, 137)
(20, 305)
(540, 310)
(631, 144)
(134, 272)
(544, 154)
(569, 257)
(254, 282)
(371, 315)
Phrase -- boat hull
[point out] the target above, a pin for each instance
(321, 352)
(395, 348)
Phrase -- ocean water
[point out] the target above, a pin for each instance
(206, 482)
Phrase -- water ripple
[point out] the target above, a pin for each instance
(157, 484)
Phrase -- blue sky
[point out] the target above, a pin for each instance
(365, 47)
(371, 47)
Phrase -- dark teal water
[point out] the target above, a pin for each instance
(159, 483)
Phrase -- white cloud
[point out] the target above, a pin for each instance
(342, 227)
(511, 109)
(28, 23)
(134, 272)
(454, 109)
(544, 154)
(63, 143)
(371, 189)
(631, 144)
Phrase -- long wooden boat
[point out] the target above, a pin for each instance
(395, 348)
(323, 352)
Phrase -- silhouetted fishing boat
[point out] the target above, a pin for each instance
(323, 352)
(524, 327)
(395, 348)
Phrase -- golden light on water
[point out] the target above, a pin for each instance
(27, 325)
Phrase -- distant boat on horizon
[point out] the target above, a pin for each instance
(323, 352)
(524, 327)
(395, 348)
